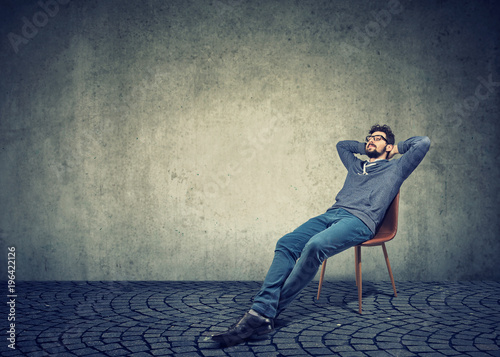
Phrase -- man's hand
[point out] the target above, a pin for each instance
(393, 152)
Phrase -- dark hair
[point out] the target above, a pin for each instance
(385, 129)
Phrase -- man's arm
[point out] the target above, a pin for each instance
(413, 151)
(347, 149)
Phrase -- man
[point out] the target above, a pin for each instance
(360, 206)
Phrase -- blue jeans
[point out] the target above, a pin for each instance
(316, 240)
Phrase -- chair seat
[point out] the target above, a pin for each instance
(378, 239)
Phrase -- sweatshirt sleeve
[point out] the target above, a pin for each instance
(347, 149)
(413, 151)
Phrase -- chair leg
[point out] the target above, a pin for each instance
(356, 264)
(357, 258)
(323, 268)
(389, 269)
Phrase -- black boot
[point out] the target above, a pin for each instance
(247, 327)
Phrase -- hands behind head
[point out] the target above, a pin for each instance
(393, 152)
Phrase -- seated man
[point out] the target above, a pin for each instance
(360, 206)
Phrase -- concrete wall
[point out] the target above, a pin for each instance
(178, 140)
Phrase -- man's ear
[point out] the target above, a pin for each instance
(389, 147)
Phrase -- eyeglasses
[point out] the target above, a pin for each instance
(375, 138)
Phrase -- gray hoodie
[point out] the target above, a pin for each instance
(370, 187)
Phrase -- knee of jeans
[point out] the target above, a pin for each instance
(283, 246)
(313, 250)
(311, 257)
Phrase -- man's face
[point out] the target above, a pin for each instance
(374, 149)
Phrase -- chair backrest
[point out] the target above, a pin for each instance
(389, 224)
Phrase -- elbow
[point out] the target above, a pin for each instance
(426, 143)
(340, 144)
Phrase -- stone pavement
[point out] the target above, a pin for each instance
(174, 319)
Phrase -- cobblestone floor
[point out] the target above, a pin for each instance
(174, 319)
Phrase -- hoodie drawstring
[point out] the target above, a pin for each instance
(367, 165)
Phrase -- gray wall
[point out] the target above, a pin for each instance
(178, 140)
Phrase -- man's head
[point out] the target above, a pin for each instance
(379, 142)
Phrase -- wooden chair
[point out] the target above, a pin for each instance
(385, 233)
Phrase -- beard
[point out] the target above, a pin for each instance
(375, 154)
